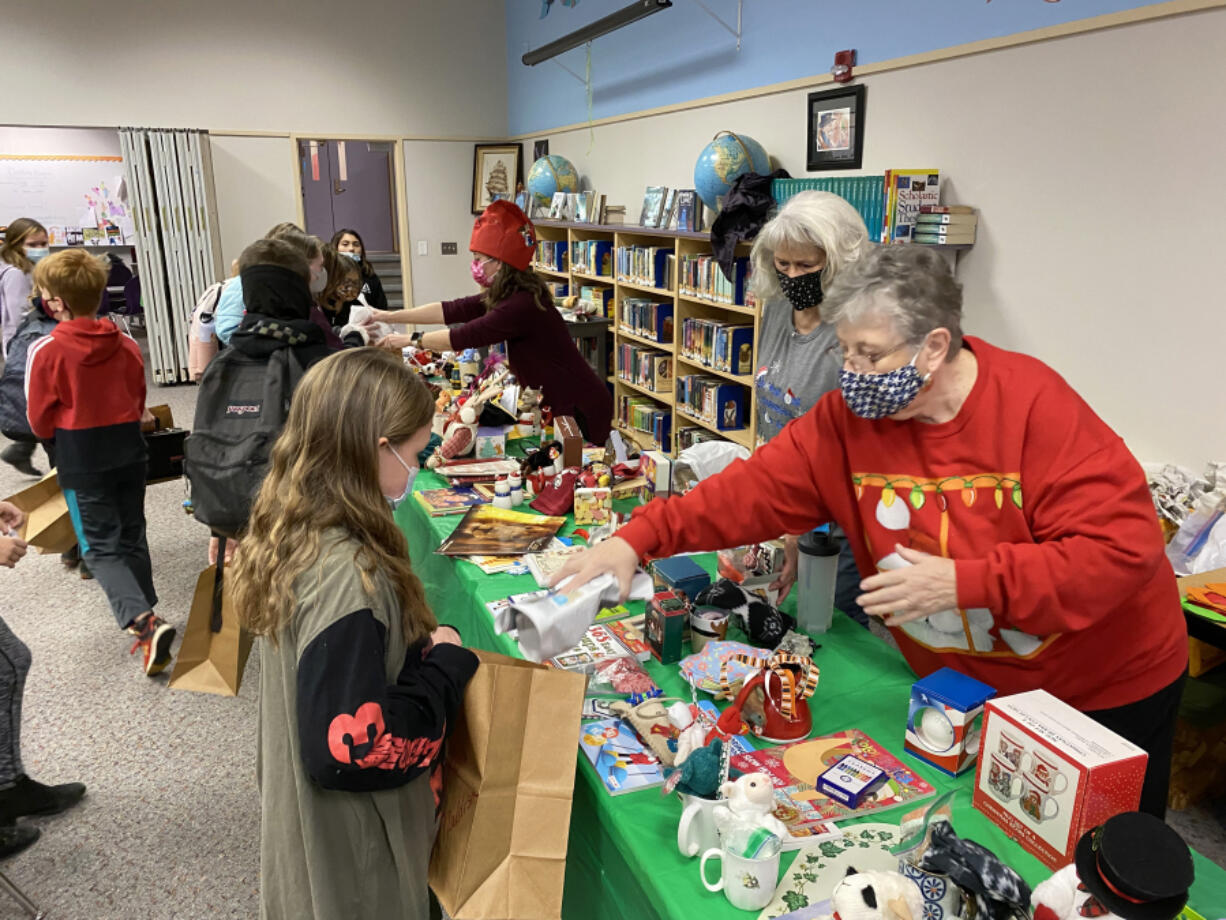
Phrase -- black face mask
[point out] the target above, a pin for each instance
(803, 291)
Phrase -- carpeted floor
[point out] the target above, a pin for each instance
(170, 826)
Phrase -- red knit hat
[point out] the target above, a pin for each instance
(504, 232)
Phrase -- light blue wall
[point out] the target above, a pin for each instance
(680, 54)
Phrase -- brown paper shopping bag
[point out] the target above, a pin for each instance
(48, 526)
(214, 651)
(508, 780)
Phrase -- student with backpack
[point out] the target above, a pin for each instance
(245, 392)
(349, 243)
(517, 308)
(25, 243)
(358, 682)
(85, 387)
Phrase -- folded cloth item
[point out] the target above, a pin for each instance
(999, 892)
(550, 622)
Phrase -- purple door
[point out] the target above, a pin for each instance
(349, 184)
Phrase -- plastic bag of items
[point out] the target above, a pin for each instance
(696, 463)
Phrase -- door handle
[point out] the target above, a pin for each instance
(336, 187)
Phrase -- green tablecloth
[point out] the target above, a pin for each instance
(622, 860)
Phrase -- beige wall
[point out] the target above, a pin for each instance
(376, 66)
(254, 179)
(1092, 164)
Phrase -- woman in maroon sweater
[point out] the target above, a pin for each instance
(516, 308)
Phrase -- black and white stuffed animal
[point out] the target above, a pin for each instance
(765, 625)
(876, 896)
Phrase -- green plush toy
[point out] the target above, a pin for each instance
(700, 771)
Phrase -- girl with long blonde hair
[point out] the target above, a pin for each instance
(358, 683)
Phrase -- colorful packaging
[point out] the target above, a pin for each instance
(945, 719)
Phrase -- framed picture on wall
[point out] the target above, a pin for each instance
(836, 128)
(496, 174)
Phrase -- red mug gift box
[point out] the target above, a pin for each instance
(1048, 773)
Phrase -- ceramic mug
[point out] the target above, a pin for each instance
(1009, 746)
(1047, 773)
(696, 831)
(747, 883)
(1001, 777)
(1036, 802)
(943, 899)
(707, 624)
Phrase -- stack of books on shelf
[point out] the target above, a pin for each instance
(712, 400)
(723, 346)
(652, 266)
(691, 435)
(598, 298)
(645, 367)
(647, 319)
(864, 193)
(592, 257)
(701, 276)
(551, 254)
(646, 415)
(559, 289)
(945, 225)
(658, 204)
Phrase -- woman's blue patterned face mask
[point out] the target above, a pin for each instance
(875, 396)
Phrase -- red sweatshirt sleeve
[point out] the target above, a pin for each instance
(505, 323)
(1097, 539)
(463, 310)
(42, 392)
(775, 491)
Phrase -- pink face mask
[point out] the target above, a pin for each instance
(478, 272)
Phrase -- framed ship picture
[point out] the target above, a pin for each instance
(496, 174)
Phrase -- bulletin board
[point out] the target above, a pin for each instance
(69, 192)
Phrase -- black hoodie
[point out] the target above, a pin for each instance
(278, 304)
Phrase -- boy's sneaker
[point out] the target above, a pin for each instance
(18, 455)
(154, 636)
(84, 572)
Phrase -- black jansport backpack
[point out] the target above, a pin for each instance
(242, 407)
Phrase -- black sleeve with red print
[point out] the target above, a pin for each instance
(356, 732)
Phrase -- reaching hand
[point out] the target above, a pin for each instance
(927, 586)
(614, 556)
(446, 635)
(11, 517)
(376, 316)
(395, 342)
(787, 575)
(11, 550)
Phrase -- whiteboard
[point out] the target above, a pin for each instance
(55, 190)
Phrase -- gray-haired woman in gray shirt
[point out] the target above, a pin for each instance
(795, 257)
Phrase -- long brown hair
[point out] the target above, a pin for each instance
(339, 268)
(13, 249)
(511, 280)
(367, 268)
(324, 472)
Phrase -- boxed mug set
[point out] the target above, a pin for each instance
(1048, 773)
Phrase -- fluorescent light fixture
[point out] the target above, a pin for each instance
(640, 9)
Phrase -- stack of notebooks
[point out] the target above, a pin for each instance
(945, 225)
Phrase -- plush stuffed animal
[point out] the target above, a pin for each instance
(1061, 897)
(751, 799)
(876, 896)
(459, 437)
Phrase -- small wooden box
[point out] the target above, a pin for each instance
(566, 431)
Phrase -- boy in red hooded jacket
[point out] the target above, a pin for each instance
(85, 387)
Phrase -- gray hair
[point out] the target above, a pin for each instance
(820, 219)
(911, 286)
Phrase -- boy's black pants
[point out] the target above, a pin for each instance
(109, 519)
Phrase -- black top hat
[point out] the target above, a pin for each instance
(1136, 866)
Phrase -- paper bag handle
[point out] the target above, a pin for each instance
(218, 584)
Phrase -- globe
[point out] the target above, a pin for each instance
(725, 159)
(551, 174)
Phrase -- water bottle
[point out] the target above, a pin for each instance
(817, 571)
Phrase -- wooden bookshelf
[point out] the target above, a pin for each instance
(685, 306)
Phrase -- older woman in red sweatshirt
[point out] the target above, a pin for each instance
(1002, 528)
(518, 309)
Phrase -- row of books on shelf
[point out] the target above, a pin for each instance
(712, 400)
(642, 413)
(665, 208)
(647, 319)
(701, 276)
(645, 367)
(864, 193)
(723, 346)
(652, 266)
(689, 435)
(592, 257)
(946, 225)
(552, 254)
(581, 207)
(906, 192)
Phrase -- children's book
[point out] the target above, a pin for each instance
(621, 761)
(913, 188)
(653, 205)
(598, 644)
(544, 566)
(489, 531)
(629, 632)
(439, 502)
(794, 769)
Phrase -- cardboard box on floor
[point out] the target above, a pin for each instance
(1202, 656)
(47, 527)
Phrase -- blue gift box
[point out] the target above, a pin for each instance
(945, 719)
(681, 574)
